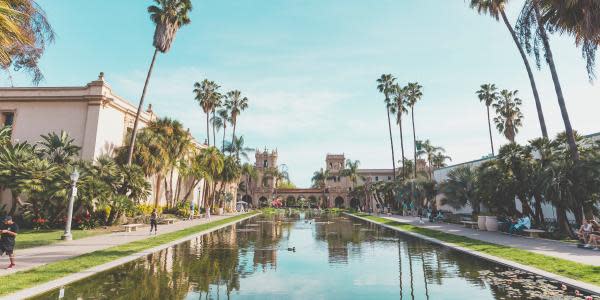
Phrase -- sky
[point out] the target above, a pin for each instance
(309, 69)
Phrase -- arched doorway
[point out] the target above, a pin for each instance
(290, 201)
(354, 203)
(247, 199)
(263, 202)
(339, 202)
(312, 201)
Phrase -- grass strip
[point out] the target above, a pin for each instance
(563, 267)
(42, 274)
(37, 238)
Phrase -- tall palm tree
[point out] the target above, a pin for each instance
(533, 27)
(508, 114)
(168, 16)
(413, 95)
(319, 180)
(488, 94)
(239, 148)
(207, 95)
(249, 172)
(496, 9)
(213, 161)
(24, 33)
(235, 103)
(439, 160)
(579, 18)
(399, 108)
(385, 85)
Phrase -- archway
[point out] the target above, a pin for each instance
(290, 201)
(247, 199)
(263, 202)
(339, 202)
(313, 201)
(354, 203)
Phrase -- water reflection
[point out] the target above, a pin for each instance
(335, 257)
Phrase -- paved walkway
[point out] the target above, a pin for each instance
(552, 248)
(37, 256)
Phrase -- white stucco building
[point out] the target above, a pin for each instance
(93, 115)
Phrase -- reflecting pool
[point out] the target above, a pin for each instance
(305, 255)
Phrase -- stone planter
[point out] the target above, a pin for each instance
(219, 211)
(481, 222)
(491, 223)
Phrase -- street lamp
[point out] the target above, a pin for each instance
(74, 177)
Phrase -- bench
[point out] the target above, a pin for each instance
(534, 233)
(471, 224)
(168, 221)
(132, 227)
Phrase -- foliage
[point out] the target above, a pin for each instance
(168, 16)
(508, 114)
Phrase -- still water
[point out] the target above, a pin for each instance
(310, 256)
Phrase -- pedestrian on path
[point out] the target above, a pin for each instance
(154, 221)
(7, 240)
(192, 209)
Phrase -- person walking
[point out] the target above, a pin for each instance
(154, 221)
(8, 234)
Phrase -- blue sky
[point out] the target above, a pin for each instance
(309, 69)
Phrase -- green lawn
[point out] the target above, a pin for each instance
(577, 271)
(43, 274)
(35, 238)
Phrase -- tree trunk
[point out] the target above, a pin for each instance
(207, 130)
(214, 131)
(490, 130)
(191, 189)
(536, 97)
(391, 142)
(557, 87)
(563, 222)
(223, 143)
(139, 111)
(237, 151)
(412, 112)
(157, 195)
(178, 188)
(402, 146)
(539, 214)
(16, 201)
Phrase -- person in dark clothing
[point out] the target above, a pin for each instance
(8, 233)
(154, 221)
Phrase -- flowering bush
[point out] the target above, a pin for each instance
(39, 223)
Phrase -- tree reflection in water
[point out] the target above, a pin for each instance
(336, 257)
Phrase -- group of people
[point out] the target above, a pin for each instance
(589, 234)
(517, 225)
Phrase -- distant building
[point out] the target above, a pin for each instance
(93, 115)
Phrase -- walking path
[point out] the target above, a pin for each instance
(551, 248)
(37, 256)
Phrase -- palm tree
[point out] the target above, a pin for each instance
(495, 8)
(399, 108)
(579, 18)
(459, 189)
(351, 171)
(249, 172)
(239, 148)
(439, 160)
(413, 95)
(509, 117)
(207, 95)
(385, 85)
(59, 149)
(169, 16)
(530, 21)
(213, 161)
(220, 120)
(235, 104)
(230, 173)
(430, 151)
(488, 94)
(319, 180)
(24, 33)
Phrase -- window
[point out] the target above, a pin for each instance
(265, 163)
(376, 178)
(389, 177)
(350, 189)
(331, 165)
(7, 118)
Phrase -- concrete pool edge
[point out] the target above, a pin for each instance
(57, 283)
(582, 286)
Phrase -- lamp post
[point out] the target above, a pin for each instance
(74, 177)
